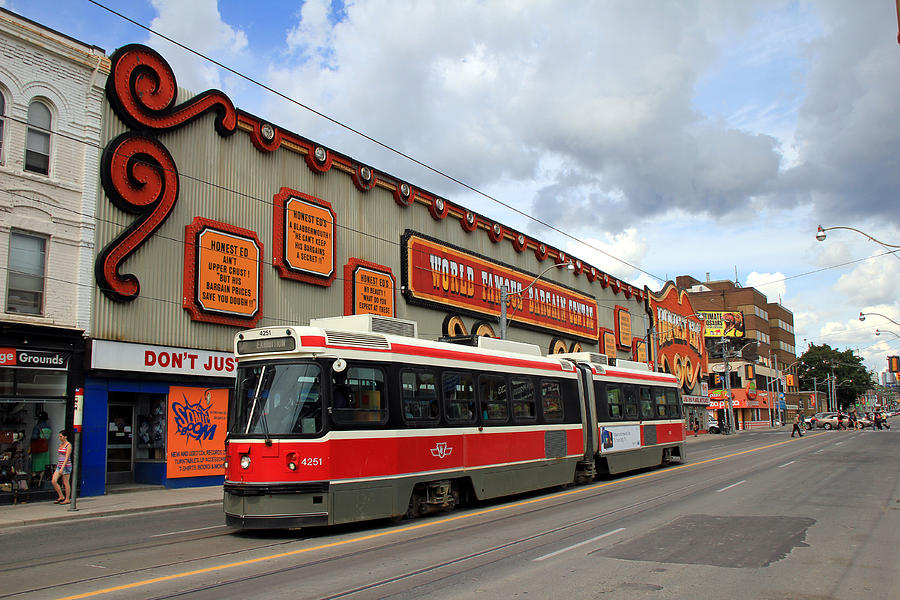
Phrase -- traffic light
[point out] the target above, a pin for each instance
(894, 364)
(790, 380)
(749, 372)
(715, 381)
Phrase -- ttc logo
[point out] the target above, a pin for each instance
(441, 450)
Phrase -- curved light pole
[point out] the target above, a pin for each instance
(880, 331)
(505, 294)
(863, 315)
(820, 235)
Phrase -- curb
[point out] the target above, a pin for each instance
(78, 515)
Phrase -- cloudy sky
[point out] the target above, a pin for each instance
(686, 137)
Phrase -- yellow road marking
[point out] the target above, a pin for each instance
(425, 525)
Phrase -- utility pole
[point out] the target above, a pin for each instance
(729, 416)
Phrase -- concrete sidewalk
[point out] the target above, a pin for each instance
(17, 515)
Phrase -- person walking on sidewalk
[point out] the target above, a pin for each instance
(63, 468)
(796, 428)
(696, 426)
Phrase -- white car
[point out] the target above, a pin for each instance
(712, 426)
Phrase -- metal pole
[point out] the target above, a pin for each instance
(77, 418)
(781, 411)
(504, 295)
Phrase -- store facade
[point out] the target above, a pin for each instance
(154, 415)
(40, 371)
(678, 348)
(213, 220)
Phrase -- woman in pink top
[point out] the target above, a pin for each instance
(63, 468)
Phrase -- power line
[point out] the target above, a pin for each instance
(371, 139)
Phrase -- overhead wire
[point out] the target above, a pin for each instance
(373, 140)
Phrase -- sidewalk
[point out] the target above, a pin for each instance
(18, 515)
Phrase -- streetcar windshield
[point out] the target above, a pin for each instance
(277, 399)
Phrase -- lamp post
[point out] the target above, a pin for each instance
(863, 315)
(505, 294)
(820, 235)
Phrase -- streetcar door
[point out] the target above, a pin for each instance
(588, 409)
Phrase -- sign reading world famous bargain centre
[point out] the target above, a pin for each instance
(436, 273)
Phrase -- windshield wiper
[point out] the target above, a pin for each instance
(262, 414)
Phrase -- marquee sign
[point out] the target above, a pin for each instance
(303, 238)
(222, 281)
(439, 275)
(368, 289)
(679, 336)
(723, 323)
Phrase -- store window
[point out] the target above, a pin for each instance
(25, 273)
(37, 144)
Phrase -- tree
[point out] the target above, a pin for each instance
(852, 377)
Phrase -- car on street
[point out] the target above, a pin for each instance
(829, 420)
(810, 422)
(712, 426)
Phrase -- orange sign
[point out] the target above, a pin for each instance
(623, 327)
(608, 342)
(222, 278)
(373, 292)
(195, 432)
(227, 273)
(308, 237)
(438, 275)
(640, 350)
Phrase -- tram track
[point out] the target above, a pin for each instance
(579, 495)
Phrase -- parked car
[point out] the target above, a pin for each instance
(810, 422)
(712, 426)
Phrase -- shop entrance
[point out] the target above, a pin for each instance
(120, 444)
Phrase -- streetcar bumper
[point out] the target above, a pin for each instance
(276, 506)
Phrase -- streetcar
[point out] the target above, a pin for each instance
(355, 418)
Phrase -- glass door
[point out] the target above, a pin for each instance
(120, 443)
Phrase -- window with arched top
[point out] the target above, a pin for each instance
(37, 144)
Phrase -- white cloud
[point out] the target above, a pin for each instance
(770, 284)
(199, 25)
(626, 245)
(872, 282)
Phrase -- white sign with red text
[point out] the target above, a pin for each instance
(120, 356)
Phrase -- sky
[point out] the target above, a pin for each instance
(697, 137)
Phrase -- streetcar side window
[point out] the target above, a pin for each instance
(614, 401)
(551, 401)
(659, 395)
(523, 402)
(419, 396)
(358, 396)
(674, 404)
(494, 399)
(631, 403)
(646, 404)
(459, 397)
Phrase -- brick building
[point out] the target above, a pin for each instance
(754, 380)
(51, 88)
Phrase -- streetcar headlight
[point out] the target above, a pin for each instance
(245, 462)
(292, 466)
(226, 465)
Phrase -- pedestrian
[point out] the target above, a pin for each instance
(840, 419)
(796, 428)
(63, 468)
(696, 426)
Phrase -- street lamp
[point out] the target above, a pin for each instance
(863, 315)
(505, 294)
(880, 331)
(820, 235)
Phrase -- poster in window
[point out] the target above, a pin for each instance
(196, 432)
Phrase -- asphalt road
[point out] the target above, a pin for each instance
(757, 515)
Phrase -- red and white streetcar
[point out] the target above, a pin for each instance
(354, 418)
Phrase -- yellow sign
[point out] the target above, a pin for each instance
(227, 273)
(373, 292)
(609, 343)
(723, 324)
(623, 327)
(308, 237)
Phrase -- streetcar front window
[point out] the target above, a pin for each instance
(277, 399)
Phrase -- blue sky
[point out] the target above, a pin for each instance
(683, 137)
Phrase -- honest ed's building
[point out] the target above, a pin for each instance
(212, 220)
